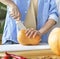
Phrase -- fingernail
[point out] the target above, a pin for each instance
(26, 34)
(33, 36)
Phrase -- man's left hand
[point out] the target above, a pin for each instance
(32, 33)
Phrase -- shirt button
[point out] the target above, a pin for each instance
(25, 11)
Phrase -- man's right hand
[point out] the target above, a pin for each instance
(14, 12)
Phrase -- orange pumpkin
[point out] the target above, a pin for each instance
(23, 39)
(54, 40)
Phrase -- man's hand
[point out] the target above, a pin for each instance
(14, 12)
(32, 33)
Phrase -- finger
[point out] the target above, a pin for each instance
(35, 34)
(28, 33)
(32, 29)
(17, 14)
(12, 14)
(16, 17)
(27, 30)
(31, 34)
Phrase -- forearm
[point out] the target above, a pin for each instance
(49, 24)
(7, 2)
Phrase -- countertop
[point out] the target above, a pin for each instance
(19, 47)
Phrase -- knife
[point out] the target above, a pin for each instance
(20, 25)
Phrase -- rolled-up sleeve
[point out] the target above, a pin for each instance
(53, 11)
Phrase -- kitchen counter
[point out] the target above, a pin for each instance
(19, 47)
(33, 52)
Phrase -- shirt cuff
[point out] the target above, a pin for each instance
(54, 17)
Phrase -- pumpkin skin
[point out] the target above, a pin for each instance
(23, 39)
(54, 40)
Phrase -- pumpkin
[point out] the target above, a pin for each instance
(23, 39)
(54, 40)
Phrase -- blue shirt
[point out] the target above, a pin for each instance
(46, 10)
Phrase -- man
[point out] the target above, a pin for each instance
(42, 14)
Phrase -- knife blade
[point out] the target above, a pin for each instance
(20, 25)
